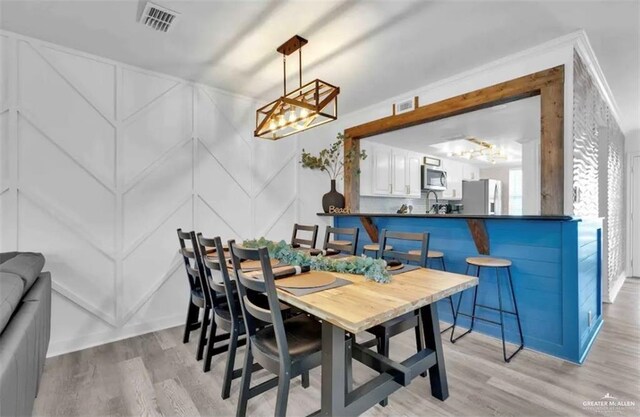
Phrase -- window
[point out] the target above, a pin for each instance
(515, 191)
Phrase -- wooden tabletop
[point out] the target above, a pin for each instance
(365, 304)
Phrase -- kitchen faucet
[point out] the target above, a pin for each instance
(427, 195)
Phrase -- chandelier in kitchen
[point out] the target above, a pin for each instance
(310, 105)
(484, 151)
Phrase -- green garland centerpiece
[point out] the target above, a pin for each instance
(372, 269)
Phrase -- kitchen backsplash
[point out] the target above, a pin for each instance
(392, 204)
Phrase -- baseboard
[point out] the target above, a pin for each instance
(618, 283)
(71, 345)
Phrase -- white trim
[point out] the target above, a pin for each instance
(615, 289)
(588, 56)
(147, 296)
(630, 184)
(32, 120)
(97, 312)
(96, 339)
(32, 40)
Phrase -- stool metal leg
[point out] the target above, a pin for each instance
(453, 311)
(515, 309)
(473, 311)
(500, 310)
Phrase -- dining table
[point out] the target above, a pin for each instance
(348, 310)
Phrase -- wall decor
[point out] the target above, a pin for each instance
(330, 160)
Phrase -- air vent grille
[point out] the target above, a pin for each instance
(404, 106)
(157, 17)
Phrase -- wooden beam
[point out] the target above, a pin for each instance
(549, 84)
(552, 149)
(352, 176)
(516, 89)
(479, 234)
(370, 227)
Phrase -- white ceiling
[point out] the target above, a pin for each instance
(371, 49)
(507, 126)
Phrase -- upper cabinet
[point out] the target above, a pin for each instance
(457, 171)
(414, 174)
(389, 172)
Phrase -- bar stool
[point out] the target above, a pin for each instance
(497, 264)
(374, 247)
(435, 254)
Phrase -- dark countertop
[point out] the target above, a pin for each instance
(452, 216)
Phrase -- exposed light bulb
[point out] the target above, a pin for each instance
(272, 125)
(281, 121)
(292, 116)
(304, 113)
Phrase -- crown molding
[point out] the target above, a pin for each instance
(583, 47)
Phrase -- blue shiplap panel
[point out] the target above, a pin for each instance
(589, 281)
(556, 274)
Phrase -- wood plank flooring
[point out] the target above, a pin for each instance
(157, 375)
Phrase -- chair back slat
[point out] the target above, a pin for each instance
(350, 232)
(265, 284)
(301, 242)
(422, 238)
(216, 273)
(259, 313)
(188, 257)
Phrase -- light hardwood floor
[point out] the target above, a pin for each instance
(155, 374)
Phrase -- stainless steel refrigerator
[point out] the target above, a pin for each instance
(482, 197)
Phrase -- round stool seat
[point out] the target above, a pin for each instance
(431, 254)
(376, 247)
(340, 242)
(487, 261)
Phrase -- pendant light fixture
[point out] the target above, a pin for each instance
(310, 105)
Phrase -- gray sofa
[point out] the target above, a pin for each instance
(25, 323)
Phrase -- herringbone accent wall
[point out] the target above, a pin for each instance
(102, 162)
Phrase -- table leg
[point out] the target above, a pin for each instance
(437, 373)
(333, 370)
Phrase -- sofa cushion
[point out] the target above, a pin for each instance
(5, 256)
(26, 265)
(11, 289)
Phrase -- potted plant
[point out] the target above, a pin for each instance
(331, 161)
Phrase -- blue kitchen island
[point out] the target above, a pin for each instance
(557, 263)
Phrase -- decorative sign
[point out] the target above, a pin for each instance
(434, 162)
(338, 210)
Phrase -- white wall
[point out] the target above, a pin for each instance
(102, 162)
(632, 148)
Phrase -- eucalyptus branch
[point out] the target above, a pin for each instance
(331, 159)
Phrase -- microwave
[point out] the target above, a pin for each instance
(433, 179)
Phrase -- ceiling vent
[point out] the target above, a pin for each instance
(158, 17)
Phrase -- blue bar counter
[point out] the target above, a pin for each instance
(557, 263)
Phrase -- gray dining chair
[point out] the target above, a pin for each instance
(346, 246)
(288, 348)
(197, 300)
(385, 331)
(298, 242)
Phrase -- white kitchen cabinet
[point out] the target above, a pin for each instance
(381, 171)
(454, 180)
(390, 172)
(399, 173)
(413, 175)
(470, 172)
